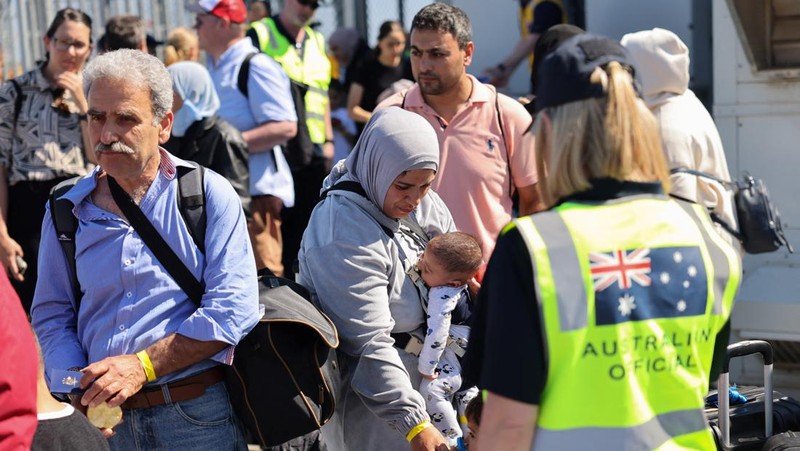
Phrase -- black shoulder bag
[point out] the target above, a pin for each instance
(284, 379)
(760, 228)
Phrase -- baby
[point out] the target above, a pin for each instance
(447, 264)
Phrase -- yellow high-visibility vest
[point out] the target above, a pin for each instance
(632, 294)
(313, 69)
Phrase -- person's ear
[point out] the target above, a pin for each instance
(166, 127)
(469, 49)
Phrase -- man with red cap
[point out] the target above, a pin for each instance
(265, 115)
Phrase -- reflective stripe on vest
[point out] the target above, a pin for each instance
(314, 70)
(644, 366)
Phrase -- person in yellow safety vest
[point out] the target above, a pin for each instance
(301, 52)
(599, 319)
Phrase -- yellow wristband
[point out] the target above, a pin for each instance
(149, 371)
(417, 429)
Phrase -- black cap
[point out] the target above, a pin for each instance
(564, 75)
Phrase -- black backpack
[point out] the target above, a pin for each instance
(284, 379)
(299, 151)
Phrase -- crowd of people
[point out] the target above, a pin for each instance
(496, 269)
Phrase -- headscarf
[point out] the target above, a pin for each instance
(193, 83)
(394, 140)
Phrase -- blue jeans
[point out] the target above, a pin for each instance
(206, 422)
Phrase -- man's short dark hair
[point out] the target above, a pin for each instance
(444, 18)
(124, 32)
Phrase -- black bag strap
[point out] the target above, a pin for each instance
(505, 142)
(191, 202)
(172, 263)
(726, 183)
(192, 208)
(66, 224)
(244, 74)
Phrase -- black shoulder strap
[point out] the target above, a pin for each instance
(17, 101)
(244, 74)
(726, 183)
(505, 142)
(156, 243)
(192, 202)
(66, 224)
(353, 187)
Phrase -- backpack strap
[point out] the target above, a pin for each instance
(505, 142)
(244, 74)
(66, 224)
(192, 202)
(17, 102)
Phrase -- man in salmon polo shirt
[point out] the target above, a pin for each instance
(484, 157)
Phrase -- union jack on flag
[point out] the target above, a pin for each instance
(621, 266)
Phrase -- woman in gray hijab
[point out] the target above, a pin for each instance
(362, 239)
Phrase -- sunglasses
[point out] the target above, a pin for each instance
(313, 4)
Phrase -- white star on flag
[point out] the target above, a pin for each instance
(627, 304)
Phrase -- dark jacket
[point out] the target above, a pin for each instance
(217, 145)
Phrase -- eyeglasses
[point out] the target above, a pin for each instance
(64, 45)
(313, 4)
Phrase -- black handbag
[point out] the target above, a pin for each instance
(759, 226)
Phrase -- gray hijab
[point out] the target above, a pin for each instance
(393, 141)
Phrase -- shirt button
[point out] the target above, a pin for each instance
(127, 262)
(129, 294)
(121, 327)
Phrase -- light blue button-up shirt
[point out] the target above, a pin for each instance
(269, 100)
(130, 301)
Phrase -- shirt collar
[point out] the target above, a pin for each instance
(244, 45)
(167, 168)
(480, 94)
(39, 80)
(603, 189)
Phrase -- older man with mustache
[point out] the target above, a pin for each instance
(138, 339)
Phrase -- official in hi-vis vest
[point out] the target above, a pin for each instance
(598, 318)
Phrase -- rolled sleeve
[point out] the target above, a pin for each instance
(229, 307)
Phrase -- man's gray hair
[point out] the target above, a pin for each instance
(138, 68)
(442, 17)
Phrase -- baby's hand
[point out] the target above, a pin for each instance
(430, 377)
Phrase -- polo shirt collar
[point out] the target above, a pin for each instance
(480, 94)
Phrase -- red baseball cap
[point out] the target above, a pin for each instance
(233, 10)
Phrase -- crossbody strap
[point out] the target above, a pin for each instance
(726, 183)
(172, 263)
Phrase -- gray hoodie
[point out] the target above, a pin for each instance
(688, 134)
(354, 259)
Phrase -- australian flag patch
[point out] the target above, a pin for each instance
(648, 283)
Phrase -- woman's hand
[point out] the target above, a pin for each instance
(73, 83)
(429, 439)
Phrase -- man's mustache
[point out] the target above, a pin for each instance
(116, 147)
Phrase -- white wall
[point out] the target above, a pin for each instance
(495, 31)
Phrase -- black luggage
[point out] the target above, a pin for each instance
(746, 426)
(788, 441)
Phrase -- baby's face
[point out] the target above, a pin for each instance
(472, 437)
(434, 274)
